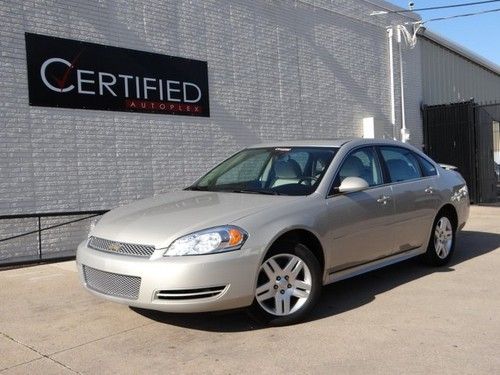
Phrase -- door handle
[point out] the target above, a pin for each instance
(384, 199)
(429, 190)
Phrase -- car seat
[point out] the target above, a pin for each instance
(353, 167)
(286, 172)
(400, 170)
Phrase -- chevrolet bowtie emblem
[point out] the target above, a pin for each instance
(114, 246)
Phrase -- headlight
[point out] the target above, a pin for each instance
(208, 241)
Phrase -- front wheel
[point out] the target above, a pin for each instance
(442, 241)
(288, 285)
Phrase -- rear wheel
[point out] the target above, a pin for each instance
(288, 285)
(442, 241)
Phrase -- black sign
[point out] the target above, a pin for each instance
(72, 74)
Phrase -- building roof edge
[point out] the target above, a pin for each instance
(460, 50)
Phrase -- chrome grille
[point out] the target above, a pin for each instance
(101, 244)
(112, 284)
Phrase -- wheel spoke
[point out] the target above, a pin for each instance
(302, 285)
(439, 248)
(291, 265)
(443, 250)
(442, 224)
(278, 302)
(436, 243)
(286, 304)
(300, 293)
(275, 266)
(265, 296)
(264, 292)
(299, 266)
(269, 272)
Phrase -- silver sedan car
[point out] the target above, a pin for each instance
(268, 227)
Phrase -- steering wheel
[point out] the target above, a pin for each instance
(311, 179)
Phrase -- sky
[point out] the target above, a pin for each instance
(480, 34)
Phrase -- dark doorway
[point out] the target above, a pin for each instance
(466, 135)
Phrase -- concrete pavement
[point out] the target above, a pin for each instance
(406, 318)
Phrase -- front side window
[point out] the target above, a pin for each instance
(361, 163)
(401, 163)
(280, 170)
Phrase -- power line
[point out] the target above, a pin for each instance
(376, 13)
(461, 15)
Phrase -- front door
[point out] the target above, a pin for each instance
(359, 222)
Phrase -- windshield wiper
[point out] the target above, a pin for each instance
(197, 188)
(244, 191)
(266, 192)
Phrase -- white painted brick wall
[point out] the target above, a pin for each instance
(277, 70)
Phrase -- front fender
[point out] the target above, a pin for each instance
(266, 227)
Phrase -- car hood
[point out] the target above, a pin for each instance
(161, 219)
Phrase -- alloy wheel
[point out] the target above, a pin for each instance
(284, 284)
(443, 237)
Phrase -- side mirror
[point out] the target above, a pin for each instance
(352, 184)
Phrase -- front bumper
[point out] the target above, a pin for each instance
(185, 278)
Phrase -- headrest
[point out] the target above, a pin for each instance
(289, 169)
(353, 167)
(400, 170)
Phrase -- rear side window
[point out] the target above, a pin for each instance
(428, 169)
(401, 163)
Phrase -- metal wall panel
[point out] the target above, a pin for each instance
(449, 77)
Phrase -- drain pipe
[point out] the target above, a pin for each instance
(401, 81)
(390, 35)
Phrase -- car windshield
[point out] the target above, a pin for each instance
(277, 171)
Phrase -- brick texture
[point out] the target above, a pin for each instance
(277, 70)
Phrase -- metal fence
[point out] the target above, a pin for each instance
(38, 237)
(463, 134)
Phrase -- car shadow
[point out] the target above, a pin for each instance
(342, 296)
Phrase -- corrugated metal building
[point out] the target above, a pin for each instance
(452, 74)
(461, 105)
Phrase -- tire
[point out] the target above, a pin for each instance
(288, 285)
(442, 242)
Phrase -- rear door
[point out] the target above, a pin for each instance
(413, 181)
(359, 223)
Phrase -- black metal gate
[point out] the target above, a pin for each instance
(462, 134)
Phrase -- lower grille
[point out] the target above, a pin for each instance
(112, 284)
(181, 294)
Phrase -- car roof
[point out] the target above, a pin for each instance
(335, 142)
